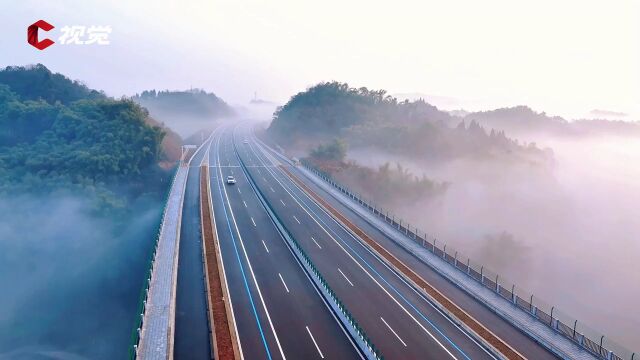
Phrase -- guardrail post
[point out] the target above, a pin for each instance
(434, 245)
(468, 267)
(481, 276)
(551, 323)
(455, 259)
(531, 304)
(406, 229)
(497, 285)
(513, 294)
(444, 252)
(601, 340)
(575, 323)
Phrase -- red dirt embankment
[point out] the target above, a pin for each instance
(223, 336)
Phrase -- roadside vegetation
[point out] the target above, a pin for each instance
(371, 119)
(68, 138)
(82, 184)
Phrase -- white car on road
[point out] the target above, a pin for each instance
(231, 180)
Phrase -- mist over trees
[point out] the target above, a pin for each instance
(82, 180)
(371, 119)
(536, 213)
(104, 148)
(523, 121)
(185, 111)
(326, 119)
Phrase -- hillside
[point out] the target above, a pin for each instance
(36, 82)
(64, 137)
(185, 111)
(366, 118)
(523, 121)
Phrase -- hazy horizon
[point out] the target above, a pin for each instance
(546, 55)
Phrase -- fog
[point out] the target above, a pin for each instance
(70, 280)
(568, 233)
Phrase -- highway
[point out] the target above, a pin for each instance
(522, 343)
(398, 319)
(277, 308)
(278, 312)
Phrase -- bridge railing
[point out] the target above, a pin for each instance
(593, 341)
(144, 293)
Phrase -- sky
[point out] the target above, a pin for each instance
(563, 57)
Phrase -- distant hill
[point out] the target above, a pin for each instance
(518, 119)
(62, 136)
(522, 120)
(185, 111)
(371, 119)
(36, 82)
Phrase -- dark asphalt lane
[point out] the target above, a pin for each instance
(517, 339)
(279, 313)
(192, 339)
(397, 319)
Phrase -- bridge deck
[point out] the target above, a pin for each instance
(157, 328)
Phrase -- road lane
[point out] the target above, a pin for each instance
(283, 300)
(192, 336)
(516, 338)
(427, 332)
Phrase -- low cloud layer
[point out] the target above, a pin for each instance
(70, 280)
(569, 234)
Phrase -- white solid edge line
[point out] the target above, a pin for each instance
(210, 202)
(246, 256)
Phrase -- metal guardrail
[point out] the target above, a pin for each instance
(144, 293)
(373, 352)
(594, 342)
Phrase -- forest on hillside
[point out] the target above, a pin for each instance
(366, 118)
(185, 111)
(330, 122)
(523, 121)
(82, 184)
(64, 137)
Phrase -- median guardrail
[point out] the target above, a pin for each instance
(351, 325)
